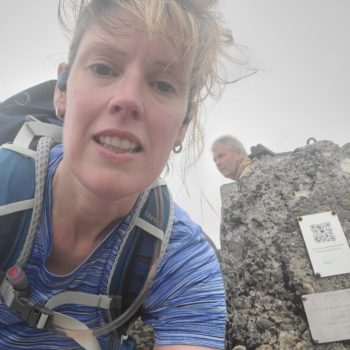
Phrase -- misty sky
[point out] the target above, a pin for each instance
(301, 49)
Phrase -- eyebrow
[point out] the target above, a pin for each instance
(112, 50)
(167, 65)
(173, 69)
(104, 48)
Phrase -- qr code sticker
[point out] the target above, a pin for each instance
(323, 232)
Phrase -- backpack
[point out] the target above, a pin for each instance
(24, 154)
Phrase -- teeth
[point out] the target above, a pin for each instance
(118, 144)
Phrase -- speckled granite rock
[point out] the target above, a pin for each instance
(143, 335)
(265, 262)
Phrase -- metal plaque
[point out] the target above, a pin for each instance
(328, 315)
(326, 244)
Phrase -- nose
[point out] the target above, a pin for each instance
(127, 99)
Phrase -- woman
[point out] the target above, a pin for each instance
(135, 72)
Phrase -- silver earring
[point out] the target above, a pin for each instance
(58, 114)
(177, 148)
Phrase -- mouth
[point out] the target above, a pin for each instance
(118, 145)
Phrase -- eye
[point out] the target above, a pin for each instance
(102, 69)
(164, 87)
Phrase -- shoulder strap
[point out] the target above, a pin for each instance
(22, 178)
(16, 203)
(143, 247)
(20, 201)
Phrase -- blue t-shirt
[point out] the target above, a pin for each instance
(186, 304)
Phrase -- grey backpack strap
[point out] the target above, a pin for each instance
(45, 134)
(142, 249)
(41, 163)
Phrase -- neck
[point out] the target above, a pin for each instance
(81, 214)
(241, 169)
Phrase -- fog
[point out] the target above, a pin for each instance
(301, 50)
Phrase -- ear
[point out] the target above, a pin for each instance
(59, 99)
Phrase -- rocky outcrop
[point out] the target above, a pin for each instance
(265, 262)
(143, 335)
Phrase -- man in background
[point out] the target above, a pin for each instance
(231, 159)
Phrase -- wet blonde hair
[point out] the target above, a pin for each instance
(193, 27)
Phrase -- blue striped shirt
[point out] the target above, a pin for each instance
(186, 304)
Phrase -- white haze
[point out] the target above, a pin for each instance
(301, 90)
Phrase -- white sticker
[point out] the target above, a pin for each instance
(326, 244)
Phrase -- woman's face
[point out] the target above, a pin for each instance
(126, 97)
